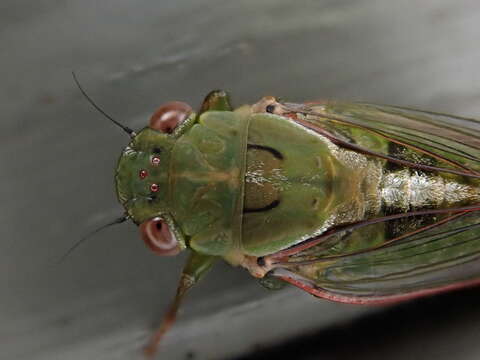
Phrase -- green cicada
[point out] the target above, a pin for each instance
(351, 202)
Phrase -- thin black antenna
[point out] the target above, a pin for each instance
(125, 128)
(89, 235)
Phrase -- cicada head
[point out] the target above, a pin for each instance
(142, 178)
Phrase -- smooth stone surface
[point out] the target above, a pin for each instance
(58, 154)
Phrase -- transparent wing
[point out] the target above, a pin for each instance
(398, 256)
(357, 266)
(425, 138)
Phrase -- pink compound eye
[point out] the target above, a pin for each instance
(169, 116)
(143, 174)
(154, 188)
(155, 160)
(158, 237)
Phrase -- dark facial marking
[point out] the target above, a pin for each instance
(272, 151)
(270, 206)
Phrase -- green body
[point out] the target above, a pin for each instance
(239, 183)
(255, 185)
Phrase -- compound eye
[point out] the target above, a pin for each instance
(158, 237)
(168, 116)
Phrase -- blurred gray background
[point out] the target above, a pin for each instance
(58, 157)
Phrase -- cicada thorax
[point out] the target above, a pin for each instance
(206, 181)
(249, 184)
(298, 184)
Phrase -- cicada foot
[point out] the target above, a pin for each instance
(272, 283)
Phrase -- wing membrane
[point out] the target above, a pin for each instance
(452, 141)
(439, 257)
(388, 259)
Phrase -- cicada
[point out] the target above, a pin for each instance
(350, 202)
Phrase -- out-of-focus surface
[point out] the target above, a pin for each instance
(442, 327)
(58, 154)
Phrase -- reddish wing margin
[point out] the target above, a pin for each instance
(311, 288)
(432, 259)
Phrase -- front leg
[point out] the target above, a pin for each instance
(217, 100)
(195, 269)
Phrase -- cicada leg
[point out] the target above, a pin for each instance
(195, 269)
(216, 100)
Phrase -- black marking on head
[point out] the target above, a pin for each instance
(272, 151)
(270, 206)
(270, 108)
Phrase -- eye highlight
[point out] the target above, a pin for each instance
(155, 160)
(154, 188)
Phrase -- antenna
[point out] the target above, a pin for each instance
(89, 235)
(125, 128)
